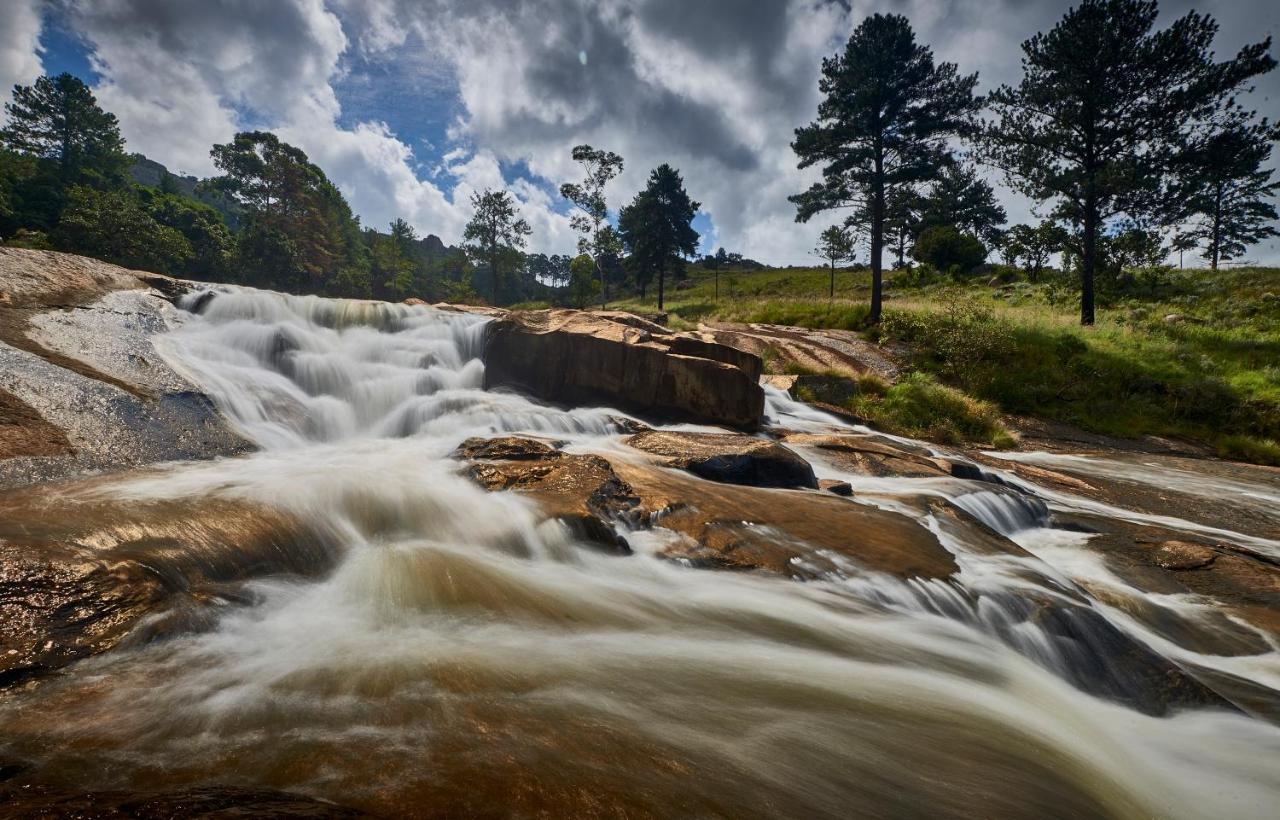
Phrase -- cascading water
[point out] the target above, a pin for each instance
(463, 658)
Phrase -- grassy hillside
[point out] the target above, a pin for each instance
(1196, 356)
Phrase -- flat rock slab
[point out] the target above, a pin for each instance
(83, 385)
(732, 458)
(872, 455)
(81, 569)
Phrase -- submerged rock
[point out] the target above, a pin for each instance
(731, 458)
(577, 357)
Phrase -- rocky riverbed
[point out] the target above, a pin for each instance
(282, 554)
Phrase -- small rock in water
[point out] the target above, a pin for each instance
(1183, 555)
(838, 487)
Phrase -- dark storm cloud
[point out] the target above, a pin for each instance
(716, 87)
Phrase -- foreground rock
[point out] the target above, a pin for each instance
(576, 357)
(581, 491)
(728, 457)
(82, 384)
(21, 797)
(80, 570)
(724, 525)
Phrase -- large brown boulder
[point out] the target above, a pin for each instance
(621, 360)
(794, 533)
(732, 458)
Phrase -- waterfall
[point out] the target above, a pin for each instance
(465, 657)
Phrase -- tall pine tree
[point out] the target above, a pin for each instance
(656, 227)
(887, 114)
(1105, 105)
(1224, 189)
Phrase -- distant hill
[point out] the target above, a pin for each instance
(148, 172)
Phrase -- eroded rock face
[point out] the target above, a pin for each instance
(728, 457)
(577, 357)
(79, 571)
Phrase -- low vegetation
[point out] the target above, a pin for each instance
(1196, 355)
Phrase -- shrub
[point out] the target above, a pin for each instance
(919, 406)
(944, 248)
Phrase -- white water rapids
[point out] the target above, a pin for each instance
(463, 658)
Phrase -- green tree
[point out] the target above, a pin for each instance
(114, 226)
(1103, 108)
(392, 259)
(203, 227)
(1034, 245)
(903, 209)
(656, 228)
(583, 284)
(58, 119)
(496, 235)
(835, 244)
(591, 219)
(884, 122)
(1224, 191)
(959, 197)
(945, 249)
(299, 231)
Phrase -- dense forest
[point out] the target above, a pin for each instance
(1132, 140)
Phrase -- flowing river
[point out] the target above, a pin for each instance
(463, 657)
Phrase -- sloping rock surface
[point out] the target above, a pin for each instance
(81, 569)
(82, 384)
(578, 357)
(732, 458)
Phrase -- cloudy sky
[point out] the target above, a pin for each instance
(411, 105)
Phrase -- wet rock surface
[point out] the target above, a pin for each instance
(82, 385)
(582, 491)
(728, 457)
(872, 455)
(724, 525)
(577, 357)
(80, 571)
(21, 798)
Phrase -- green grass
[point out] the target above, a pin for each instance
(1212, 375)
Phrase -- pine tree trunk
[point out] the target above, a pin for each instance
(1216, 244)
(493, 271)
(1088, 258)
(877, 249)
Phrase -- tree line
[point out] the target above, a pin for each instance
(1122, 131)
(273, 219)
(1123, 134)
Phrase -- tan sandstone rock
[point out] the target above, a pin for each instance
(579, 357)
